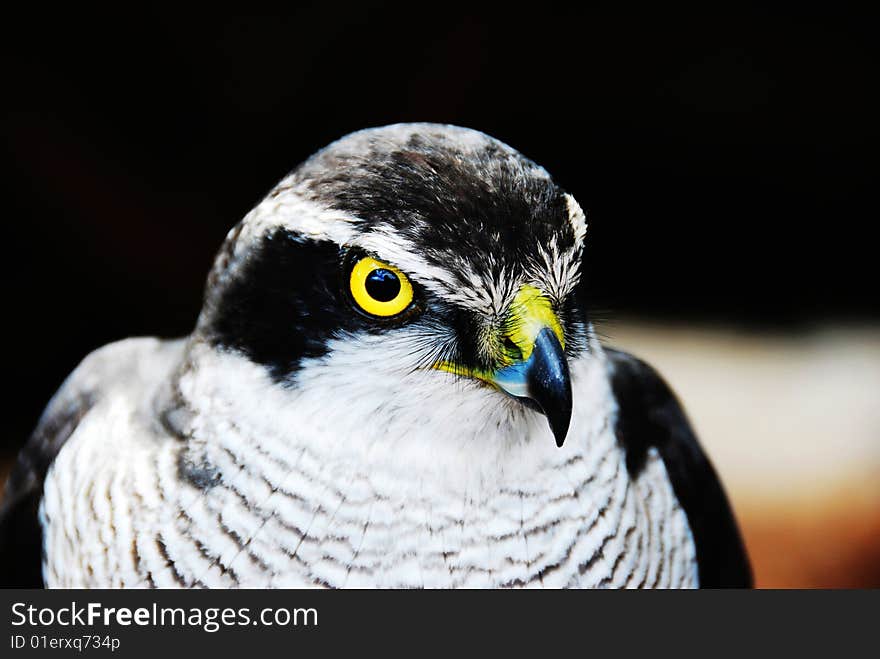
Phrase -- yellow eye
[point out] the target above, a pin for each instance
(380, 289)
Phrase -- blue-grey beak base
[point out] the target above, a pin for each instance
(544, 379)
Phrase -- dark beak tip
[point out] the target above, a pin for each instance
(560, 439)
(550, 385)
(559, 426)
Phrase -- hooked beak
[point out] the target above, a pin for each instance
(533, 368)
(543, 379)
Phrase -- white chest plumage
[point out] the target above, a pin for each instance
(305, 498)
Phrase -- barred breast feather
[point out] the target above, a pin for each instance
(182, 488)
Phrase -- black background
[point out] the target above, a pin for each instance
(726, 159)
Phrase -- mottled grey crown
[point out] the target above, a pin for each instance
(450, 191)
(465, 217)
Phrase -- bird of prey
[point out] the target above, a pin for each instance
(393, 382)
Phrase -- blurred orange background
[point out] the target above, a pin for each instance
(792, 424)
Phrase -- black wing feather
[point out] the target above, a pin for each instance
(650, 415)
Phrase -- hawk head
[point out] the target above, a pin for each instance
(404, 269)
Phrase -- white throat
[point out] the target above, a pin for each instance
(409, 426)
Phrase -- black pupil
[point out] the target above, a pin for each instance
(383, 285)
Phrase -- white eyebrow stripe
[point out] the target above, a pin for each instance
(468, 290)
(557, 272)
(284, 208)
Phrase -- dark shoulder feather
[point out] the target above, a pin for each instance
(21, 538)
(650, 416)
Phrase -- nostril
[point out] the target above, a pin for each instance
(512, 349)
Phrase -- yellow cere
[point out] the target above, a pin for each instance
(457, 369)
(385, 308)
(529, 313)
